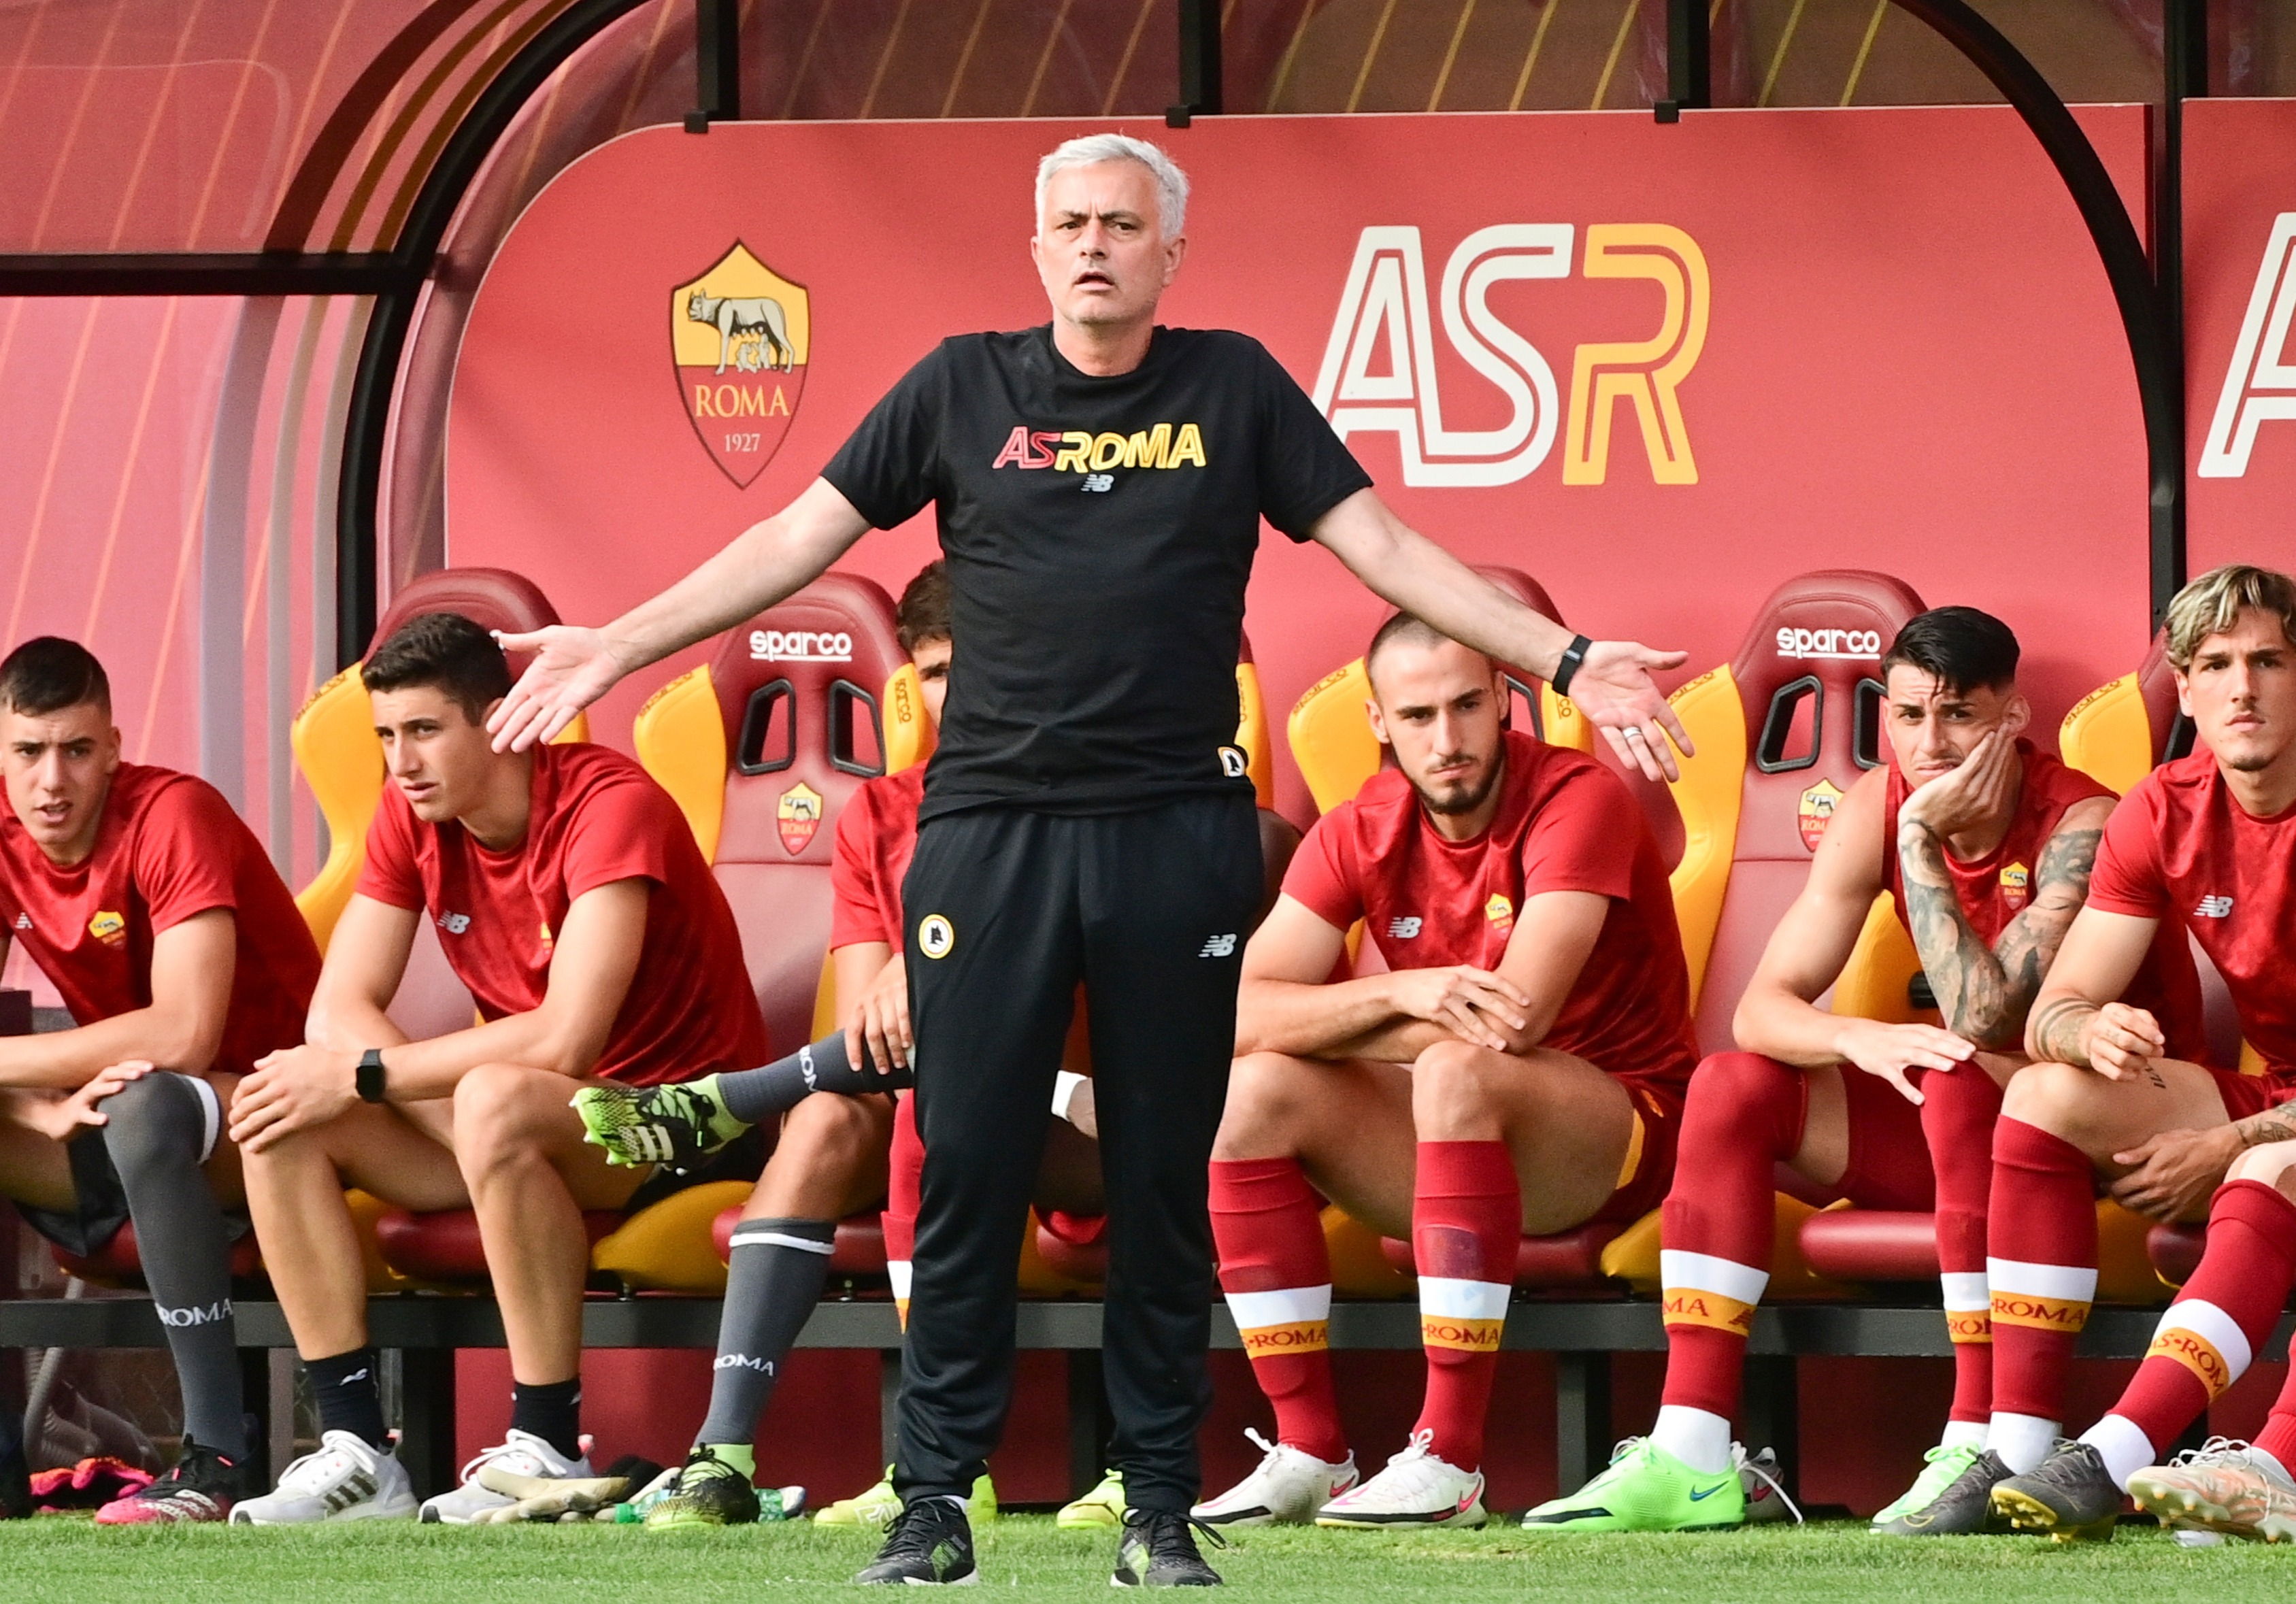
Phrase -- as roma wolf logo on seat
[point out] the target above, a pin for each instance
(739, 336)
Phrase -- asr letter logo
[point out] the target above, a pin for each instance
(739, 336)
(1379, 369)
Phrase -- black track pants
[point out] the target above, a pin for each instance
(1006, 911)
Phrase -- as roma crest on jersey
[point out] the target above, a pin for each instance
(797, 816)
(1815, 812)
(739, 336)
(2016, 887)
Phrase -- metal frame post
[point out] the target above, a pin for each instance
(717, 64)
(1200, 63)
(1689, 60)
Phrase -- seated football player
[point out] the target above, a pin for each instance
(1984, 843)
(2203, 846)
(1519, 1069)
(182, 960)
(835, 1121)
(570, 898)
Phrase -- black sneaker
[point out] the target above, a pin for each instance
(1158, 1550)
(710, 1492)
(2068, 1495)
(930, 1545)
(202, 1487)
(1964, 1508)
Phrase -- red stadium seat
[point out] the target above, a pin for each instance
(1567, 1259)
(2174, 1251)
(444, 1247)
(858, 1250)
(117, 1263)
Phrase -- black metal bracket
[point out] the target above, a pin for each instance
(717, 64)
(197, 273)
(2145, 314)
(1689, 61)
(1200, 63)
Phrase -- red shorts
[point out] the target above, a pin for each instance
(2247, 1094)
(1649, 1169)
(1888, 1151)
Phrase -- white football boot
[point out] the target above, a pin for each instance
(1287, 1488)
(346, 1478)
(1415, 1489)
(520, 1453)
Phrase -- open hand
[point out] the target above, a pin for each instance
(63, 1118)
(880, 1019)
(1890, 1050)
(2172, 1175)
(572, 667)
(292, 1090)
(1614, 690)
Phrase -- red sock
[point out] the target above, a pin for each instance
(1959, 1109)
(903, 1187)
(2221, 1316)
(1466, 1224)
(2042, 1265)
(1268, 1223)
(1745, 1115)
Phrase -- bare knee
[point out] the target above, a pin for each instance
(2060, 1098)
(502, 1115)
(1453, 1086)
(826, 1130)
(2274, 1164)
(1261, 1119)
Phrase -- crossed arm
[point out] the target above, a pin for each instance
(192, 965)
(592, 961)
(1285, 1004)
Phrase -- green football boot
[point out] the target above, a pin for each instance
(876, 1507)
(1646, 1489)
(713, 1492)
(1100, 1509)
(676, 1125)
(1952, 1497)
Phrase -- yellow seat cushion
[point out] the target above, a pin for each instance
(666, 1248)
(1359, 1268)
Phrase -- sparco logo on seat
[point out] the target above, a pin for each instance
(800, 646)
(1828, 643)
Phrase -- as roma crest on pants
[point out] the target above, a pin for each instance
(739, 336)
(797, 816)
(1815, 812)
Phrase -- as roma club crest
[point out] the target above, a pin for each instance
(1815, 812)
(797, 816)
(739, 335)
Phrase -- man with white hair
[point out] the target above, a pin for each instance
(1099, 483)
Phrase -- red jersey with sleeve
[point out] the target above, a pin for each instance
(167, 847)
(876, 838)
(1565, 824)
(1995, 889)
(2180, 849)
(596, 818)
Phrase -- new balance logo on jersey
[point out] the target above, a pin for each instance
(2214, 907)
(1403, 929)
(1100, 481)
(454, 924)
(764, 1367)
(215, 1313)
(1219, 947)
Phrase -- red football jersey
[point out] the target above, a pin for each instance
(876, 838)
(1565, 824)
(2179, 849)
(597, 817)
(1994, 888)
(168, 846)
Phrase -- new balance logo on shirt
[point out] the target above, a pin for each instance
(1219, 947)
(454, 924)
(1405, 927)
(1100, 481)
(2214, 907)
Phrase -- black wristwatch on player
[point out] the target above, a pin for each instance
(1573, 655)
(369, 1075)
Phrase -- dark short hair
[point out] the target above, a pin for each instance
(1959, 647)
(48, 674)
(443, 650)
(922, 613)
(1404, 627)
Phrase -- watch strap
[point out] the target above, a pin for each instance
(1574, 656)
(369, 1075)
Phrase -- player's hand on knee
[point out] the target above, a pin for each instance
(2172, 1175)
(1891, 1051)
(2121, 1042)
(1477, 1006)
(292, 1090)
(572, 667)
(881, 1020)
(68, 1116)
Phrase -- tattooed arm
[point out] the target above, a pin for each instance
(1985, 992)
(2078, 1018)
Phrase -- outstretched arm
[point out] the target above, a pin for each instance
(192, 962)
(1612, 686)
(573, 667)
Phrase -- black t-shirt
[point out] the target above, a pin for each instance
(1099, 534)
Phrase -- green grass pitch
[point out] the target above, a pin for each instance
(60, 1557)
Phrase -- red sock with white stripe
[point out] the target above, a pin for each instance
(2209, 1334)
(904, 1189)
(2042, 1272)
(1959, 1108)
(1744, 1114)
(1466, 1224)
(1268, 1225)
